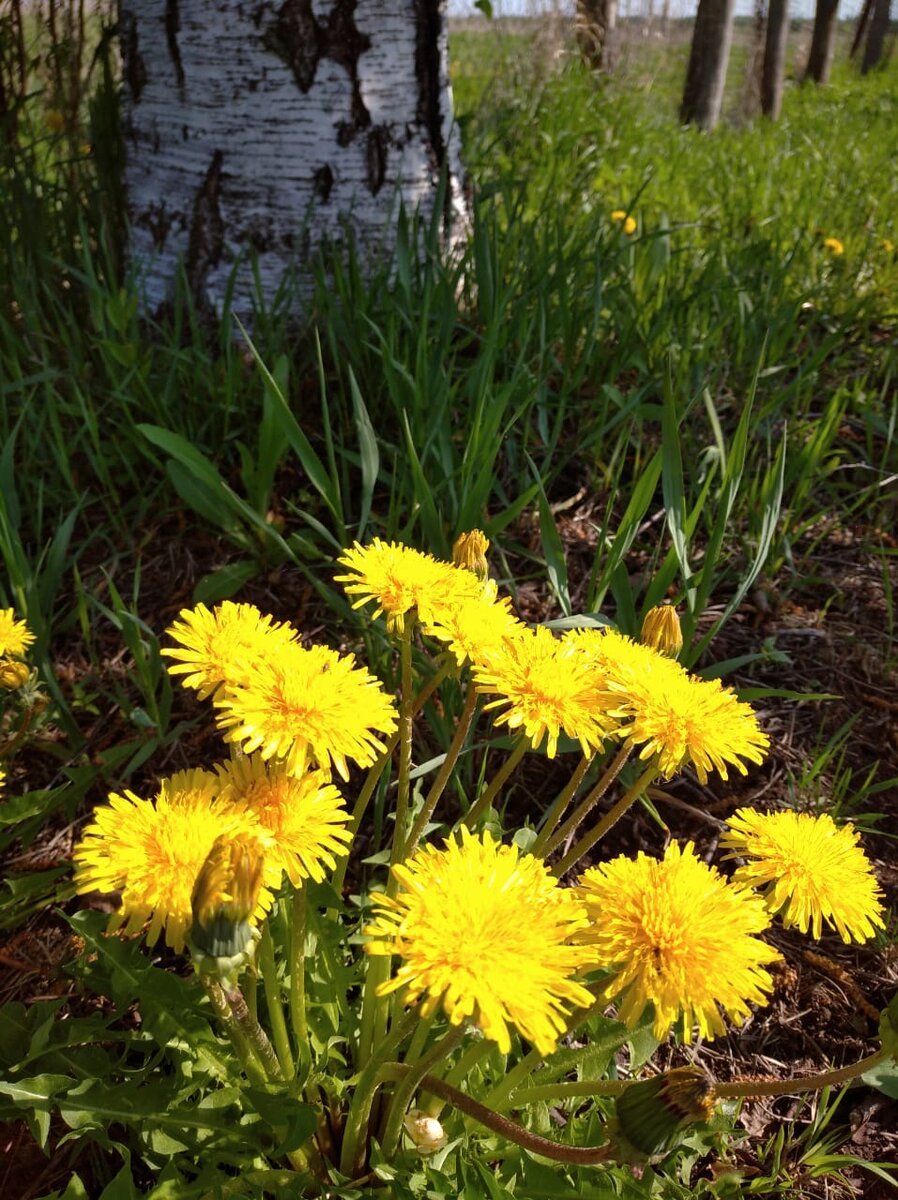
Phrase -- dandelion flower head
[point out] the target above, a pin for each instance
(809, 869)
(546, 688)
(153, 850)
(219, 649)
(476, 625)
(677, 935)
(834, 246)
(403, 582)
(15, 636)
(305, 816)
(484, 931)
(309, 707)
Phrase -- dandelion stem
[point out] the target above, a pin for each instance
(273, 1000)
(254, 1033)
(403, 783)
(485, 799)
(298, 979)
(546, 842)
(578, 1155)
(406, 1088)
(740, 1088)
(242, 1047)
(439, 784)
(352, 1153)
(610, 819)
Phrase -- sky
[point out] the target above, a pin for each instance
(678, 8)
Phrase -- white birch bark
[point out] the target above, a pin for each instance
(258, 127)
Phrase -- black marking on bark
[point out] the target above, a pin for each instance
(378, 144)
(158, 221)
(172, 29)
(206, 240)
(301, 40)
(323, 182)
(428, 27)
(134, 69)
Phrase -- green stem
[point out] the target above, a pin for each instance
(298, 979)
(242, 1047)
(279, 1032)
(559, 804)
(743, 1088)
(573, 822)
(403, 783)
(439, 784)
(563, 1091)
(406, 1088)
(352, 1153)
(610, 819)
(485, 799)
(254, 1033)
(510, 1130)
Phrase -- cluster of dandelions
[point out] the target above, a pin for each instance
(15, 641)
(484, 930)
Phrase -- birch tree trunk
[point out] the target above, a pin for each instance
(876, 35)
(709, 56)
(823, 42)
(774, 69)
(258, 128)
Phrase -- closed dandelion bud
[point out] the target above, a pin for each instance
(469, 551)
(661, 630)
(223, 900)
(13, 674)
(651, 1113)
(888, 1028)
(425, 1131)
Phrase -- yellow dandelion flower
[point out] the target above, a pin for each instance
(677, 718)
(15, 636)
(220, 648)
(834, 246)
(152, 851)
(809, 870)
(485, 931)
(626, 222)
(402, 582)
(2, 780)
(13, 674)
(474, 627)
(676, 935)
(305, 817)
(547, 688)
(888, 245)
(308, 707)
(620, 661)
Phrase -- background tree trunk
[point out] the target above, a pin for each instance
(596, 22)
(269, 127)
(823, 42)
(774, 68)
(708, 59)
(876, 35)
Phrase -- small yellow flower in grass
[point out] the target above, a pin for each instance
(469, 551)
(834, 246)
(485, 931)
(402, 582)
(15, 636)
(547, 688)
(2, 780)
(305, 817)
(627, 223)
(13, 674)
(888, 245)
(220, 648)
(308, 707)
(809, 870)
(153, 850)
(676, 935)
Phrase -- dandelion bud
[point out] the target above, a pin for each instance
(13, 674)
(223, 900)
(661, 630)
(425, 1131)
(469, 551)
(652, 1112)
(888, 1028)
